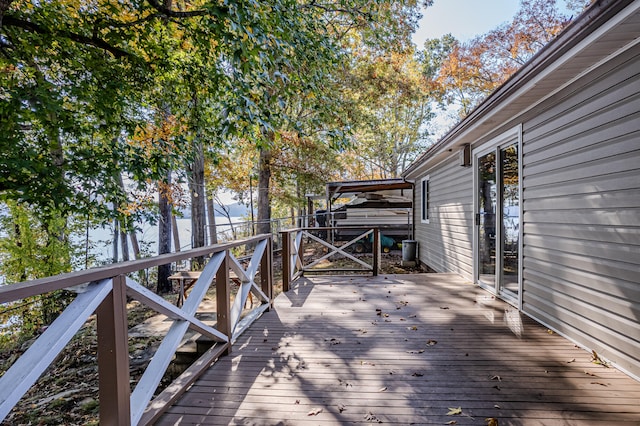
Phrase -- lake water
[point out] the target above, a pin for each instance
(101, 239)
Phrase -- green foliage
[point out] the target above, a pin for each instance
(33, 247)
(29, 249)
(96, 94)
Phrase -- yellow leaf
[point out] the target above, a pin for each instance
(491, 421)
(454, 411)
(451, 422)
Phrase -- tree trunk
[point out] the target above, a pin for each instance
(175, 233)
(198, 200)
(116, 235)
(211, 213)
(264, 181)
(125, 243)
(164, 236)
(134, 244)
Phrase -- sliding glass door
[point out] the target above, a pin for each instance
(497, 211)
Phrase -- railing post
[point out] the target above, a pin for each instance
(266, 273)
(223, 303)
(286, 260)
(113, 356)
(300, 253)
(376, 251)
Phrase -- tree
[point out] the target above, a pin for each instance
(391, 107)
(148, 88)
(465, 73)
(308, 101)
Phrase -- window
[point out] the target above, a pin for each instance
(424, 192)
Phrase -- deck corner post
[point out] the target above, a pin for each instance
(266, 272)
(286, 260)
(223, 303)
(376, 251)
(113, 356)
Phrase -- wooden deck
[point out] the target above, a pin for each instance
(404, 349)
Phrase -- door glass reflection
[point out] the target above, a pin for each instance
(510, 232)
(487, 218)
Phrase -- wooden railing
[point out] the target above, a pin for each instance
(105, 290)
(293, 249)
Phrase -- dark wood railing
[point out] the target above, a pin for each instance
(293, 249)
(104, 291)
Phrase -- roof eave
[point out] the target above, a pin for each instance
(599, 13)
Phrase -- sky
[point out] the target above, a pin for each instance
(464, 19)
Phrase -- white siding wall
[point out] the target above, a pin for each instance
(445, 243)
(582, 215)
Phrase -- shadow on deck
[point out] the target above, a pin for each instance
(403, 349)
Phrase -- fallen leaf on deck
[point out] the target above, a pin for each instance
(549, 331)
(431, 342)
(382, 389)
(370, 417)
(451, 422)
(413, 327)
(444, 307)
(345, 383)
(590, 374)
(571, 360)
(454, 411)
(419, 351)
(491, 421)
(417, 374)
(297, 401)
(314, 412)
(341, 408)
(498, 378)
(598, 383)
(595, 358)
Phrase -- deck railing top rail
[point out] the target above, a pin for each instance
(9, 293)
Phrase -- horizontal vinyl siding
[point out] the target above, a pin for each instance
(581, 191)
(445, 243)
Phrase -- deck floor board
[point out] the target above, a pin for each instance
(403, 349)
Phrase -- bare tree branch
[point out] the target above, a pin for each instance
(79, 38)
